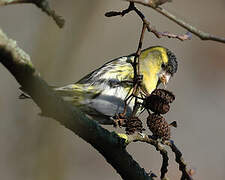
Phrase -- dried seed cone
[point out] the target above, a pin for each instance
(158, 126)
(133, 125)
(159, 101)
(168, 96)
(157, 104)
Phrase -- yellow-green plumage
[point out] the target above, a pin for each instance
(101, 93)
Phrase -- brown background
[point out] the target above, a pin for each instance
(32, 147)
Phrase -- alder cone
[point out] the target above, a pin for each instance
(159, 101)
(158, 126)
(134, 124)
(168, 96)
(157, 104)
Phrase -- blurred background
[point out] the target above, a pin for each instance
(37, 148)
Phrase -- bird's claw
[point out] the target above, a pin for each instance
(119, 120)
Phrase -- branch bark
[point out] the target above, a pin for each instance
(110, 145)
(42, 4)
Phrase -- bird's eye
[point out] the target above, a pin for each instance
(163, 66)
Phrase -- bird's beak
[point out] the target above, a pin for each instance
(164, 78)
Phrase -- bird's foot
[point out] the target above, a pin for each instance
(119, 120)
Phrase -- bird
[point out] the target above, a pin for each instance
(101, 93)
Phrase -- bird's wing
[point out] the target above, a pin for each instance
(114, 81)
(116, 72)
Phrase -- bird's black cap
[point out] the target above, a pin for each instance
(172, 62)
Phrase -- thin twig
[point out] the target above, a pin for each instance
(158, 34)
(186, 36)
(179, 160)
(42, 4)
(136, 66)
(165, 163)
(201, 34)
(159, 146)
(120, 13)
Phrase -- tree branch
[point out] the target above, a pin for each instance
(201, 34)
(158, 34)
(42, 4)
(110, 145)
(140, 137)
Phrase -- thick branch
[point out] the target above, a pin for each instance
(108, 144)
(202, 35)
